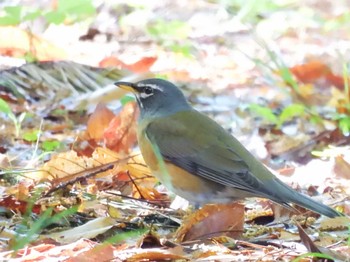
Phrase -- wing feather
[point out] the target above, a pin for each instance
(202, 152)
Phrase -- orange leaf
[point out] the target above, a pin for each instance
(310, 72)
(157, 254)
(111, 61)
(99, 121)
(16, 205)
(121, 132)
(141, 66)
(213, 220)
(316, 70)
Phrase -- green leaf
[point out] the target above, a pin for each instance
(344, 125)
(174, 30)
(14, 11)
(264, 112)
(55, 17)
(4, 107)
(77, 7)
(50, 145)
(32, 15)
(126, 99)
(290, 112)
(30, 57)
(22, 240)
(184, 49)
(314, 255)
(8, 20)
(120, 237)
(31, 136)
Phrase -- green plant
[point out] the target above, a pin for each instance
(14, 15)
(31, 136)
(314, 255)
(343, 118)
(252, 10)
(30, 227)
(287, 114)
(67, 11)
(50, 145)
(17, 121)
(173, 35)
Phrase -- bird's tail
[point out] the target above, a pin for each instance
(293, 196)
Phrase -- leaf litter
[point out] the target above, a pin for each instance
(99, 171)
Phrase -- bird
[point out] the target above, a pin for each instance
(196, 158)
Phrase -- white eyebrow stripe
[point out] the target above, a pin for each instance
(143, 95)
(151, 85)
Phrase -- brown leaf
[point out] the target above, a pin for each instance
(141, 66)
(155, 254)
(311, 71)
(313, 248)
(316, 71)
(213, 220)
(335, 224)
(102, 252)
(17, 42)
(16, 205)
(341, 168)
(150, 240)
(120, 136)
(306, 240)
(99, 121)
(69, 163)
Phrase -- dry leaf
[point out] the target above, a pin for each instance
(213, 220)
(99, 121)
(150, 240)
(141, 66)
(317, 71)
(89, 230)
(17, 42)
(102, 252)
(156, 254)
(335, 224)
(341, 168)
(311, 71)
(69, 163)
(120, 136)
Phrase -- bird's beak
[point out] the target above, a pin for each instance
(126, 86)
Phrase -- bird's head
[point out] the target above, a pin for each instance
(157, 97)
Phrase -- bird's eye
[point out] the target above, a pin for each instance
(148, 90)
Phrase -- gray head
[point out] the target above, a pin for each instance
(157, 97)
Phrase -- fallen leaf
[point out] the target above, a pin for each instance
(99, 121)
(311, 71)
(335, 224)
(69, 164)
(16, 205)
(102, 252)
(141, 66)
(17, 42)
(120, 135)
(150, 240)
(89, 230)
(313, 248)
(317, 71)
(213, 220)
(341, 167)
(156, 254)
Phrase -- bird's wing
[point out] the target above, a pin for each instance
(197, 144)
